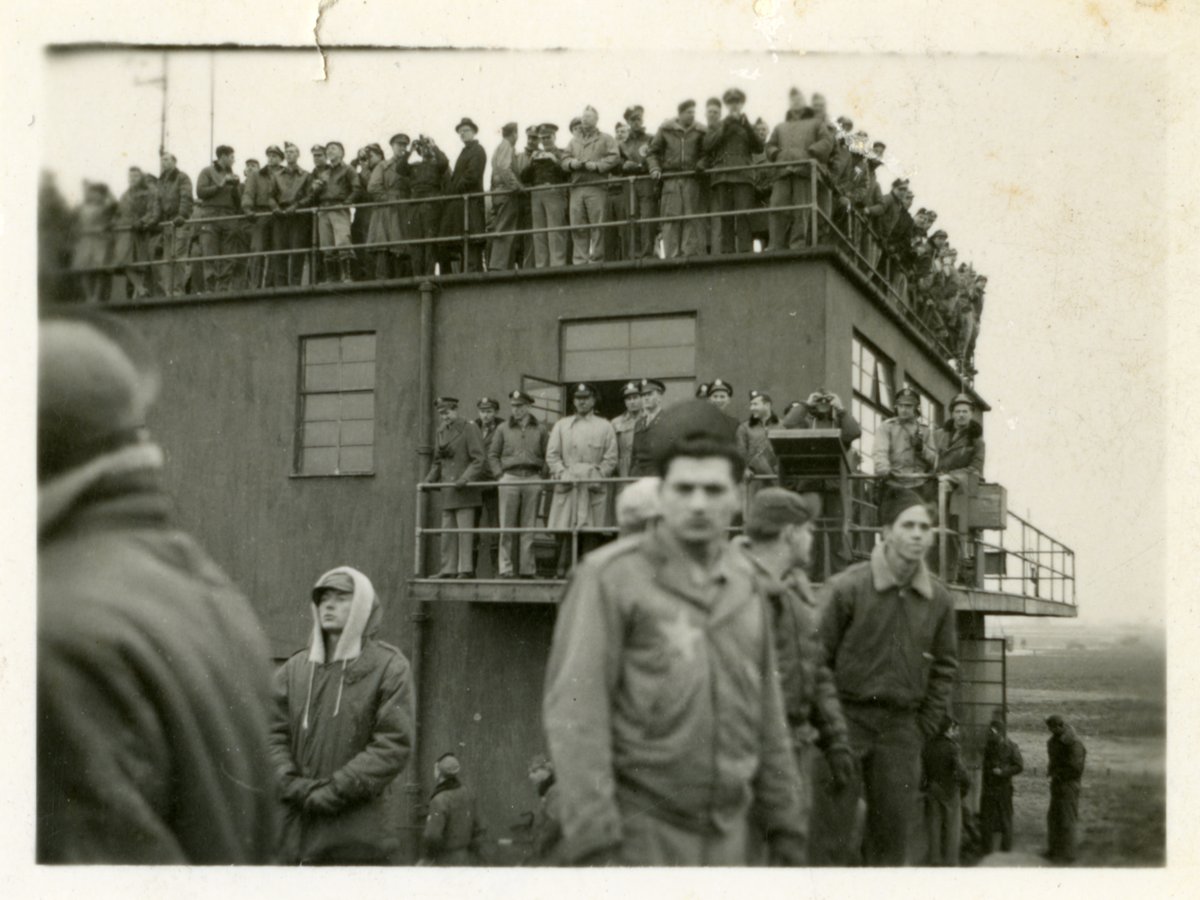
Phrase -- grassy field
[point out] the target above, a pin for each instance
(1115, 699)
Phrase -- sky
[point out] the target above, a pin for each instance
(1044, 171)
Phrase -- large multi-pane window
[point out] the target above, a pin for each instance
(931, 412)
(662, 347)
(872, 379)
(336, 417)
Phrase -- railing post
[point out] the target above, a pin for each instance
(632, 237)
(466, 230)
(418, 535)
(316, 234)
(815, 201)
(942, 530)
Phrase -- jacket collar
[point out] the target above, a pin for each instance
(885, 579)
(673, 574)
(60, 495)
(517, 423)
(449, 783)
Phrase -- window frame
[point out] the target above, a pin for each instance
(673, 375)
(884, 367)
(298, 446)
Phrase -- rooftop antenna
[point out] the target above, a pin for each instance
(212, 93)
(162, 120)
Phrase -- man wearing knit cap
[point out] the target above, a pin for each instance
(778, 541)
(889, 633)
(662, 710)
(453, 834)
(153, 686)
(342, 730)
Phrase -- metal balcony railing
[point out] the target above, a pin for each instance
(831, 221)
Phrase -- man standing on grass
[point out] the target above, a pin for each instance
(1066, 759)
(1001, 761)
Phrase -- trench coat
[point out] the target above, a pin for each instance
(580, 447)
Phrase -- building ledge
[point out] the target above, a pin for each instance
(501, 590)
(997, 603)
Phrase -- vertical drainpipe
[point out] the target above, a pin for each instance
(419, 618)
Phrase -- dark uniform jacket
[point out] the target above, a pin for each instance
(288, 187)
(429, 175)
(731, 143)
(467, 178)
(644, 464)
(802, 417)
(891, 646)
(453, 834)
(661, 694)
(1001, 753)
(752, 441)
(1067, 755)
(458, 457)
(943, 775)
(340, 186)
(256, 195)
(138, 208)
(545, 167)
(959, 452)
(174, 196)
(153, 688)
(217, 198)
(675, 148)
(809, 694)
(636, 150)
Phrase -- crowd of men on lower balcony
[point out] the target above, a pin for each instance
(690, 188)
(520, 452)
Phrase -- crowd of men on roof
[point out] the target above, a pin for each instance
(719, 184)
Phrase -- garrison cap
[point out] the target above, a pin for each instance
(691, 420)
(541, 761)
(465, 121)
(583, 389)
(734, 95)
(719, 384)
(274, 150)
(652, 384)
(962, 398)
(631, 111)
(520, 397)
(907, 395)
(686, 104)
(774, 507)
(760, 395)
(631, 388)
(446, 403)
(400, 137)
(487, 403)
(900, 182)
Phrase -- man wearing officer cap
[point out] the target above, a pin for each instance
(959, 450)
(720, 393)
(889, 634)
(662, 710)
(625, 424)
(778, 542)
(459, 459)
(549, 203)
(729, 144)
(903, 453)
(258, 204)
(487, 422)
(652, 391)
(752, 439)
(517, 455)
(582, 446)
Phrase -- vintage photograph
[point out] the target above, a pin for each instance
(576, 457)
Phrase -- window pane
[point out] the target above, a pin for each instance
(596, 364)
(596, 335)
(358, 348)
(679, 390)
(322, 377)
(358, 433)
(356, 376)
(321, 408)
(358, 406)
(672, 332)
(357, 459)
(318, 461)
(320, 434)
(321, 350)
(663, 361)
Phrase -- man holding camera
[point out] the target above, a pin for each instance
(729, 145)
(332, 189)
(429, 175)
(549, 204)
(220, 197)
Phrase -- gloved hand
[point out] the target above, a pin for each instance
(297, 790)
(841, 767)
(324, 801)
(787, 849)
(179, 221)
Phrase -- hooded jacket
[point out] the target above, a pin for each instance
(346, 722)
(153, 688)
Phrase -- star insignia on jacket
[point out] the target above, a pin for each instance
(681, 636)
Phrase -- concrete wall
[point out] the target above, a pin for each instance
(228, 416)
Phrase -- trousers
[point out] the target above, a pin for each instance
(943, 829)
(996, 814)
(588, 202)
(172, 279)
(734, 231)
(789, 229)
(518, 509)
(458, 550)
(650, 841)
(1062, 819)
(290, 232)
(501, 251)
(217, 238)
(681, 197)
(333, 232)
(887, 748)
(549, 211)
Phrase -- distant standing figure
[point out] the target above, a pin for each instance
(219, 198)
(1067, 755)
(465, 217)
(93, 247)
(343, 730)
(459, 458)
(137, 220)
(453, 835)
(625, 424)
(1001, 761)
(517, 455)
(945, 781)
(590, 156)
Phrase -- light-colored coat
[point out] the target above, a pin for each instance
(580, 447)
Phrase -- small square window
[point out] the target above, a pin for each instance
(335, 434)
